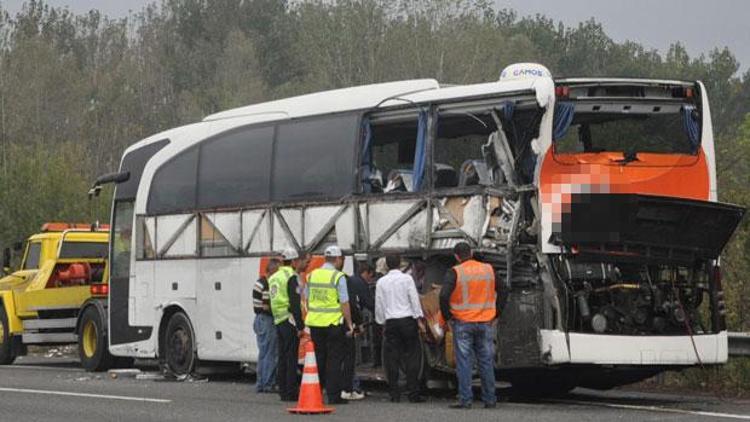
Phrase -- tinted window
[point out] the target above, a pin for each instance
(83, 250)
(314, 158)
(32, 256)
(234, 168)
(134, 163)
(173, 187)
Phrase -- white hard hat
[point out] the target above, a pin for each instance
(333, 251)
(290, 254)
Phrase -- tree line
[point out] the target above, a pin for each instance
(77, 89)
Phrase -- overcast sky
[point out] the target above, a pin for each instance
(700, 25)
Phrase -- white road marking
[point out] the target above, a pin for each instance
(658, 409)
(94, 396)
(42, 368)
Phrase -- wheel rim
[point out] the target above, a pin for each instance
(2, 332)
(181, 350)
(89, 339)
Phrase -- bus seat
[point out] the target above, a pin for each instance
(474, 172)
(399, 180)
(445, 176)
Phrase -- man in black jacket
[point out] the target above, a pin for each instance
(359, 299)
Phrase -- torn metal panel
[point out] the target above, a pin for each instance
(412, 234)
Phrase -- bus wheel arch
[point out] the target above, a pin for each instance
(177, 344)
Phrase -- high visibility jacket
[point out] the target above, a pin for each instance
(323, 307)
(278, 292)
(474, 297)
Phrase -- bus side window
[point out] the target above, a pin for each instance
(235, 168)
(391, 151)
(314, 158)
(173, 187)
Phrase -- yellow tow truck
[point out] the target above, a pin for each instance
(58, 295)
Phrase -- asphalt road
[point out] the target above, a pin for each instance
(49, 389)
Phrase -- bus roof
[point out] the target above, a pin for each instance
(384, 95)
(380, 96)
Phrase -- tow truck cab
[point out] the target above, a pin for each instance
(58, 293)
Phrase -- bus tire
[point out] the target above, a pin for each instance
(180, 356)
(7, 353)
(92, 342)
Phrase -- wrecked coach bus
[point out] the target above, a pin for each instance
(594, 200)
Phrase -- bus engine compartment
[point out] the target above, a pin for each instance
(633, 299)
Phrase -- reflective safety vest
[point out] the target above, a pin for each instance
(474, 297)
(323, 307)
(278, 292)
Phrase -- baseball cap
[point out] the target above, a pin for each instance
(289, 254)
(333, 251)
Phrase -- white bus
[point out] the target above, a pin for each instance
(594, 199)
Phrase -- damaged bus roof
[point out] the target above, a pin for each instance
(390, 94)
(358, 98)
(383, 95)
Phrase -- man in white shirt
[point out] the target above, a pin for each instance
(397, 307)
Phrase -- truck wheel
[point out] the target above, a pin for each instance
(180, 355)
(92, 342)
(6, 345)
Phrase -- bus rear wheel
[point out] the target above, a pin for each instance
(180, 356)
(92, 342)
(7, 355)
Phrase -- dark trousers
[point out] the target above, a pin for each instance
(330, 350)
(377, 345)
(349, 363)
(402, 350)
(286, 372)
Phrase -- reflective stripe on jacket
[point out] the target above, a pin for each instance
(278, 291)
(474, 298)
(323, 307)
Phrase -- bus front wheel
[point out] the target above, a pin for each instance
(180, 356)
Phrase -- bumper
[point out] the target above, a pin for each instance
(631, 350)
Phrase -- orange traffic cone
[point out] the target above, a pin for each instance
(310, 396)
